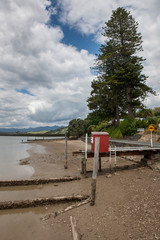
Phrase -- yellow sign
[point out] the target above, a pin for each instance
(151, 128)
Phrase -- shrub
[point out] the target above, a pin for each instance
(114, 132)
(128, 127)
(156, 111)
(76, 128)
(91, 128)
(102, 127)
(154, 121)
(141, 123)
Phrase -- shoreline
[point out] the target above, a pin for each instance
(47, 158)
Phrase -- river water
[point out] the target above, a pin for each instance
(11, 151)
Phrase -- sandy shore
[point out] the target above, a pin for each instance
(127, 203)
(48, 158)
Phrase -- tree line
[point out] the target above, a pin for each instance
(128, 126)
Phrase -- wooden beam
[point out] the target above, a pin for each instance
(121, 153)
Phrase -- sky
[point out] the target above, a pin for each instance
(48, 48)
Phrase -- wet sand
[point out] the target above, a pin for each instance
(127, 203)
(51, 160)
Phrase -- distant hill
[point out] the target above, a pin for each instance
(60, 130)
(25, 130)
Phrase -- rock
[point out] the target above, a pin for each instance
(154, 164)
(109, 176)
(24, 162)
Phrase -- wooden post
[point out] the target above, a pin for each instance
(66, 154)
(115, 159)
(84, 167)
(110, 159)
(100, 167)
(82, 172)
(86, 145)
(151, 140)
(85, 160)
(83, 163)
(95, 170)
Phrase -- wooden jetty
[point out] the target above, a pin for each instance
(122, 151)
(147, 152)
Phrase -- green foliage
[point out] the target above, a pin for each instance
(128, 127)
(91, 128)
(145, 113)
(39, 132)
(156, 111)
(77, 128)
(93, 118)
(153, 121)
(102, 127)
(141, 123)
(114, 131)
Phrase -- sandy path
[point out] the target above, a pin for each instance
(127, 204)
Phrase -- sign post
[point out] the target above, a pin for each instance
(151, 129)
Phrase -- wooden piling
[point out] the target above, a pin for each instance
(84, 167)
(66, 154)
(100, 165)
(85, 160)
(95, 170)
(83, 163)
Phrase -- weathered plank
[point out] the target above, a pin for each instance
(37, 181)
(40, 202)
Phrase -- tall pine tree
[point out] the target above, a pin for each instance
(120, 86)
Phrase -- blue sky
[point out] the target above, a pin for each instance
(47, 52)
(72, 36)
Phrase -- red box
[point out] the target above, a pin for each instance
(104, 141)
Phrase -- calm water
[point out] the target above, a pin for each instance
(11, 151)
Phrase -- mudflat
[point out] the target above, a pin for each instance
(127, 202)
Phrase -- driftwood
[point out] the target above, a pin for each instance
(76, 235)
(72, 207)
(36, 181)
(55, 214)
(40, 202)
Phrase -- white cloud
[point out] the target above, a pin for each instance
(33, 58)
(87, 16)
(58, 76)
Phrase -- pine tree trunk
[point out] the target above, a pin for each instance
(117, 114)
(117, 111)
(129, 102)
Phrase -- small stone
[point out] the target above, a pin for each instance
(109, 176)
(116, 174)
